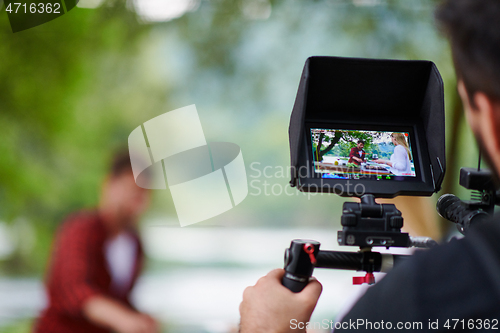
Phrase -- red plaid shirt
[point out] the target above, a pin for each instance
(78, 271)
(355, 153)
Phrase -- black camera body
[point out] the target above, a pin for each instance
(482, 204)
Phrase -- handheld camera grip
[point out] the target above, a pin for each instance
(300, 259)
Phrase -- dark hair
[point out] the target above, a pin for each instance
(120, 164)
(473, 27)
(361, 141)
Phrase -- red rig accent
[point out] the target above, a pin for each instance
(309, 249)
(368, 278)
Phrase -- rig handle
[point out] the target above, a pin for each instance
(292, 284)
(300, 259)
(304, 255)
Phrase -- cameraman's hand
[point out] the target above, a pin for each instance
(268, 307)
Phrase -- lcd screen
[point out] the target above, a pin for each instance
(360, 154)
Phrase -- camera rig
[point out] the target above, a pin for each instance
(365, 224)
(368, 224)
(346, 98)
(483, 199)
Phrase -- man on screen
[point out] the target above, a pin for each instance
(357, 154)
(454, 286)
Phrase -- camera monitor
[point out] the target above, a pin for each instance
(366, 126)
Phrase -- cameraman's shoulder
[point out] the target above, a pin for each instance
(460, 277)
(483, 241)
(489, 229)
(453, 280)
(461, 253)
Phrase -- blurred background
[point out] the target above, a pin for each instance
(73, 89)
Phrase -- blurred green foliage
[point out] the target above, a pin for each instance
(68, 99)
(73, 89)
(22, 326)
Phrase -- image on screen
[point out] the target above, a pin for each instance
(351, 154)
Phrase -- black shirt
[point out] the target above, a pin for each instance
(457, 284)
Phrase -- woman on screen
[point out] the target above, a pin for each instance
(400, 159)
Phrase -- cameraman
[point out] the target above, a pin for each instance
(454, 283)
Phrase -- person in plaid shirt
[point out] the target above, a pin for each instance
(96, 259)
